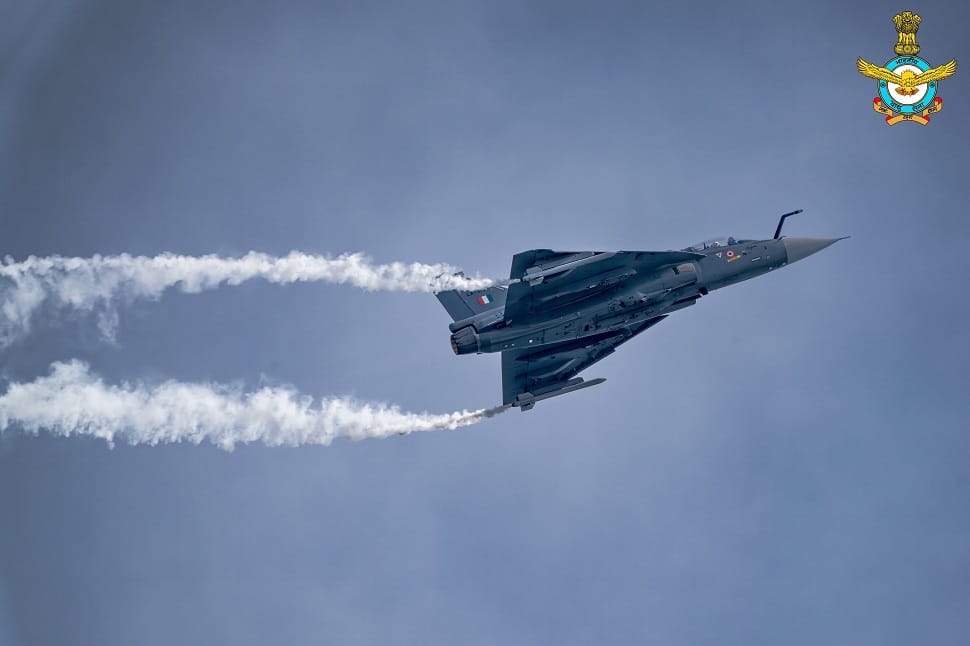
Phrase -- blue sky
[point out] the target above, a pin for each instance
(785, 462)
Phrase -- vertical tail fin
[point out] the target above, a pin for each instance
(462, 304)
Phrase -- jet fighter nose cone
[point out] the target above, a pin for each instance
(798, 248)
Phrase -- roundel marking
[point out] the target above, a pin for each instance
(907, 103)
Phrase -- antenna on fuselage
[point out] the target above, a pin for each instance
(781, 222)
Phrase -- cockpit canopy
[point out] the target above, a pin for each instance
(713, 242)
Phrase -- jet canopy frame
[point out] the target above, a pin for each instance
(722, 241)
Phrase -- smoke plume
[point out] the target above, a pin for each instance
(101, 282)
(73, 401)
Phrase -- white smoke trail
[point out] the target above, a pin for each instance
(100, 282)
(73, 401)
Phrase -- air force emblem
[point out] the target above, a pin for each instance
(907, 84)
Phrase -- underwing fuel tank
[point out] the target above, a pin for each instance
(672, 279)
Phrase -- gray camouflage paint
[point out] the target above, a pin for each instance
(569, 310)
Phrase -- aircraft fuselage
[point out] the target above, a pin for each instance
(624, 296)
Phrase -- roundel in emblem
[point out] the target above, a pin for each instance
(907, 100)
(729, 253)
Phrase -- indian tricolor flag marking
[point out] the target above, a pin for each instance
(485, 299)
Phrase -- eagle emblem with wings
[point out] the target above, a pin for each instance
(907, 84)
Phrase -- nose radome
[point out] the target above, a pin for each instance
(798, 248)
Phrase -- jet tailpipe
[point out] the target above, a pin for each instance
(465, 341)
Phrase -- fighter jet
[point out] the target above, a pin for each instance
(562, 311)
